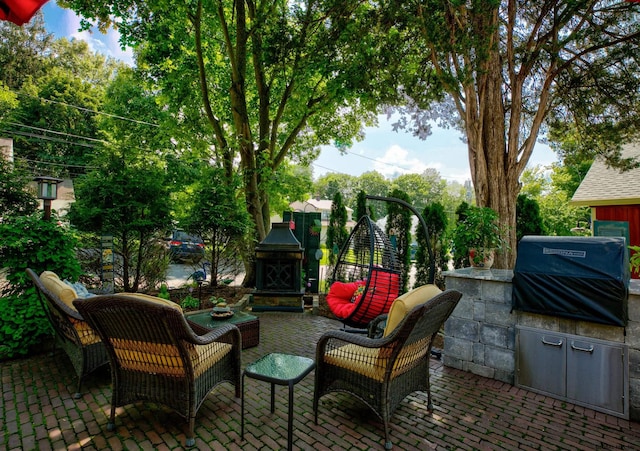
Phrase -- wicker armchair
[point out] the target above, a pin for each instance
(382, 372)
(157, 356)
(83, 346)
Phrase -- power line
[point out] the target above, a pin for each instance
(90, 111)
(47, 130)
(376, 161)
(150, 124)
(50, 163)
(49, 138)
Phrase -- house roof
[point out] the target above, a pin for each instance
(608, 186)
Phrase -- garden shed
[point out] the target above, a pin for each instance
(614, 199)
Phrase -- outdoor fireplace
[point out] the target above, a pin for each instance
(279, 271)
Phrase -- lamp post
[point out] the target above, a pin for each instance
(47, 191)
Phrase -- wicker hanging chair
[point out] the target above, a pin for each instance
(366, 278)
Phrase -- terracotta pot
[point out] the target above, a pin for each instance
(481, 258)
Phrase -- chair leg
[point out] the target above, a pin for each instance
(191, 435)
(78, 393)
(315, 409)
(111, 425)
(387, 438)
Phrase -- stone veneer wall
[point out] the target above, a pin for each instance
(480, 334)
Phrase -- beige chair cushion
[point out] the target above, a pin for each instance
(161, 358)
(66, 294)
(85, 332)
(58, 288)
(373, 362)
(359, 359)
(155, 299)
(405, 303)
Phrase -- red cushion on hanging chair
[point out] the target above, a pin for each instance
(384, 288)
(339, 298)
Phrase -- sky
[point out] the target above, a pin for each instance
(389, 152)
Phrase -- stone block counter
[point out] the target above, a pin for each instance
(480, 335)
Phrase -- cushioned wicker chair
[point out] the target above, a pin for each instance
(157, 356)
(83, 346)
(382, 372)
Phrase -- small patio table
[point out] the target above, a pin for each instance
(280, 369)
(249, 325)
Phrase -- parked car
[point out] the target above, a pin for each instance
(184, 247)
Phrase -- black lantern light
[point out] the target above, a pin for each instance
(47, 191)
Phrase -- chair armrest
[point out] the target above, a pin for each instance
(376, 327)
(336, 338)
(201, 335)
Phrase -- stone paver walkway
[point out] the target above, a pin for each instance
(38, 411)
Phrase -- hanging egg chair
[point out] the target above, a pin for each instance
(366, 278)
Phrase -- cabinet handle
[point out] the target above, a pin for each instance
(578, 348)
(552, 343)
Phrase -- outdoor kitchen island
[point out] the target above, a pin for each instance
(481, 334)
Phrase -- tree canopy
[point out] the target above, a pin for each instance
(262, 82)
(509, 67)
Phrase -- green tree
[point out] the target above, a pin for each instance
(549, 190)
(290, 183)
(337, 234)
(216, 214)
(461, 255)
(8, 101)
(326, 186)
(551, 56)
(55, 124)
(362, 209)
(528, 218)
(131, 202)
(435, 217)
(265, 81)
(23, 51)
(128, 194)
(374, 184)
(422, 189)
(44, 121)
(30, 242)
(398, 228)
(15, 198)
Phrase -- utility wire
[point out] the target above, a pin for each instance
(47, 130)
(90, 111)
(50, 138)
(56, 164)
(143, 123)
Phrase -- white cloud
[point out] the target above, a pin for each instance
(98, 42)
(396, 161)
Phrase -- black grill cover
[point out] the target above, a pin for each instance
(584, 278)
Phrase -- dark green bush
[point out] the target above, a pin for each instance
(30, 242)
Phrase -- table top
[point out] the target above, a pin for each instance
(204, 318)
(280, 368)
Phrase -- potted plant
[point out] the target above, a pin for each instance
(634, 261)
(479, 236)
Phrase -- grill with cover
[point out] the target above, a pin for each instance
(583, 278)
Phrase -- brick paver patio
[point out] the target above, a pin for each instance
(471, 413)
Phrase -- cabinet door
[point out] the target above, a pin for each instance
(596, 374)
(541, 361)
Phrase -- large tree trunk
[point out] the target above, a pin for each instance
(494, 175)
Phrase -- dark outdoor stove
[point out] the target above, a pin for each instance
(279, 271)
